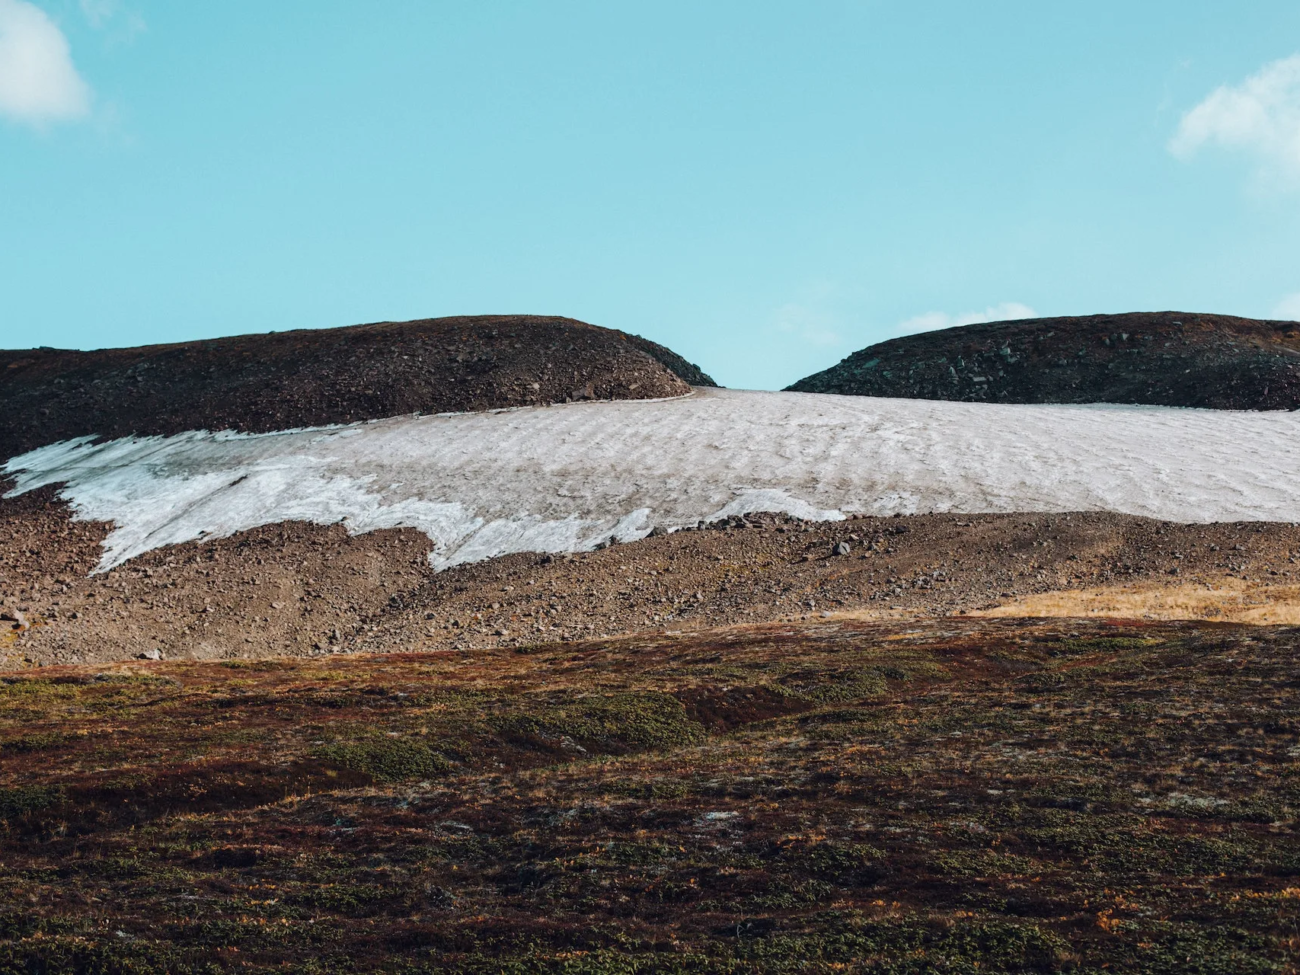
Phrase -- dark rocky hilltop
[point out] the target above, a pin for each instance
(689, 371)
(259, 383)
(1159, 358)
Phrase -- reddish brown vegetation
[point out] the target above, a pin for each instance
(962, 795)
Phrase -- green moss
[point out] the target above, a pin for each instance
(33, 689)
(984, 863)
(15, 924)
(603, 722)
(912, 948)
(134, 680)
(76, 956)
(1191, 949)
(261, 666)
(349, 900)
(387, 759)
(21, 800)
(640, 854)
(41, 741)
(1104, 644)
(848, 864)
(834, 687)
(1048, 680)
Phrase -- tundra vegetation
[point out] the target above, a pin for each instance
(957, 795)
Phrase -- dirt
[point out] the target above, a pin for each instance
(299, 589)
(261, 383)
(1157, 358)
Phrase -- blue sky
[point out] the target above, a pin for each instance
(763, 186)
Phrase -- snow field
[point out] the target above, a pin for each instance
(567, 478)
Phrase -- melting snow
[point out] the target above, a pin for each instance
(568, 478)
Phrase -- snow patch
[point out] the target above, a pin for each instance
(571, 478)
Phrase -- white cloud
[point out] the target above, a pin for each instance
(931, 320)
(1260, 116)
(38, 82)
(1288, 309)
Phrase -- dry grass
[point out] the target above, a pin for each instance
(1226, 599)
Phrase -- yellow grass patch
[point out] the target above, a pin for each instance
(1228, 599)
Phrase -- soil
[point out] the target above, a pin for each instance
(1158, 358)
(299, 589)
(311, 377)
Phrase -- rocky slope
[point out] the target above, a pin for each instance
(260, 383)
(1158, 358)
(688, 371)
(297, 589)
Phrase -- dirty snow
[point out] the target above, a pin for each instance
(567, 478)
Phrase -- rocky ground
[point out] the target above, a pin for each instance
(943, 796)
(298, 589)
(260, 383)
(1160, 358)
(683, 369)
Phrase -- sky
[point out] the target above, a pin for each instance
(765, 187)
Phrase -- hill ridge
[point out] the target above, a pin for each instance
(313, 377)
(1165, 358)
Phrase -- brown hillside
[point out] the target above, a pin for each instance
(296, 589)
(1157, 358)
(259, 383)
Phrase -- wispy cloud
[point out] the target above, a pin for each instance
(1260, 116)
(1288, 309)
(38, 81)
(932, 320)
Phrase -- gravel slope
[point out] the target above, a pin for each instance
(299, 589)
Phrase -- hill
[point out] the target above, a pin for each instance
(1156, 358)
(310, 377)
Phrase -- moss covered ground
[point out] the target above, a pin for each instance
(958, 795)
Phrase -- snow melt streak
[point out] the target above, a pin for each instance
(567, 478)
